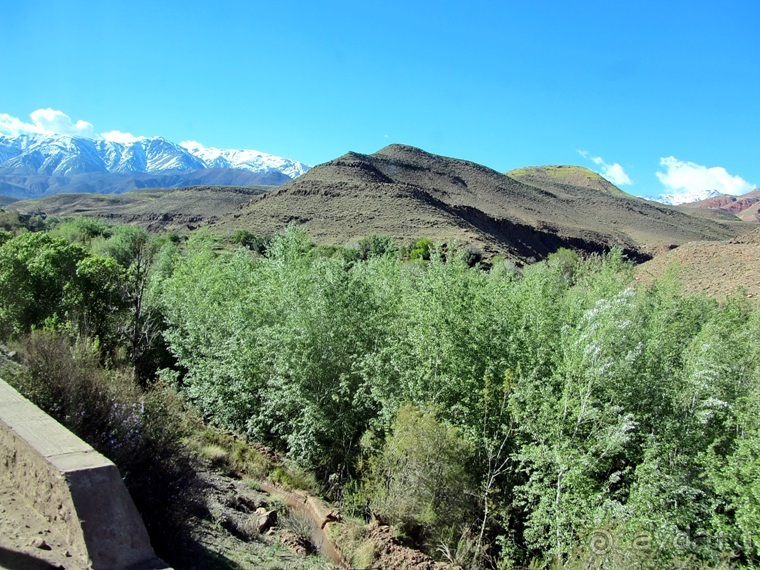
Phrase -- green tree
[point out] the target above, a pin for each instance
(421, 479)
(135, 250)
(94, 300)
(376, 246)
(34, 271)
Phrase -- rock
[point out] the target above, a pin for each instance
(267, 521)
(296, 543)
(245, 504)
(40, 543)
(332, 516)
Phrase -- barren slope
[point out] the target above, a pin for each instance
(405, 192)
(155, 209)
(745, 207)
(714, 268)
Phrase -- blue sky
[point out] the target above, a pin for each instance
(630, 89)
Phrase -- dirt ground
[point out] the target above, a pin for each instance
(717, 269)
(27, 540)
(229, 534)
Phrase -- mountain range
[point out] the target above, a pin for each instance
(745, 207)
(406, 193)
(38, 165)
(687, 197)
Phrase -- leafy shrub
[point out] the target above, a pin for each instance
(566, 261)
(81, 230)
(422, 480)
(421, 249)
(377, 246)
(140, 431)
(251, 241)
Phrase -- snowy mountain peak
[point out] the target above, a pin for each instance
(68, 154)
(252, 160)
(686, 197)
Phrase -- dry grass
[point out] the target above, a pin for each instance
(225, 451)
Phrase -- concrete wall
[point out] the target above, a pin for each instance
(74, 487)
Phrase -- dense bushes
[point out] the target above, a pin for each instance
(556, 414)
(95, 282)
(45, 279)
(586, 404)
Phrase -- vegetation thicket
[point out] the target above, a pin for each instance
(554, 415)
(579, 404)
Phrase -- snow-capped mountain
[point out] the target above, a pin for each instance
(66, 155)
(251, 160)
(686, 197)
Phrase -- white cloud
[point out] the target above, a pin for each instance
(612, 172)
(13, 126)
(45, 122)
(191, 145)
(615, 174)
(682, 177)
(119, 137)
(53, 122)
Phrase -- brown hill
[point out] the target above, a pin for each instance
(745, 207)
(715, 268)
(750, 213)
(407, 193)
(155, 209)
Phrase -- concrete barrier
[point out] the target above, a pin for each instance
(78, 490)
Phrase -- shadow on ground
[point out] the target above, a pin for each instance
(14, 560)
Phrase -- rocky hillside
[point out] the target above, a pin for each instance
(408, 193)
(716, 268)
(745, 207)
